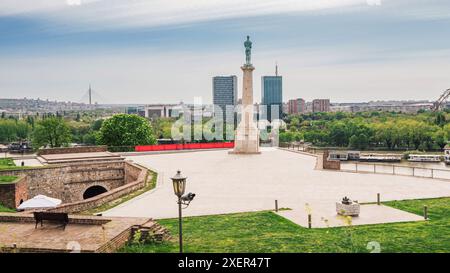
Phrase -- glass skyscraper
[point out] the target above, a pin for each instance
(272, 95)
(225, 91)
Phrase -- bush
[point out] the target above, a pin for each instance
(126, 130)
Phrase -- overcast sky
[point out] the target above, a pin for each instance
(167, 51)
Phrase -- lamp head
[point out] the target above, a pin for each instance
(179, 184)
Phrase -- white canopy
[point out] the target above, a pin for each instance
(39, 202)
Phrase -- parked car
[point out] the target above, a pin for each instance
(20, 147)
(3, 148)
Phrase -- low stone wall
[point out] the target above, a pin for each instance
(12, 194)
(68, 182)
(73, 219)
(73, 150)
(92, 233)
(109, 196)
(117, 242)
(330, 164)
(132, 172)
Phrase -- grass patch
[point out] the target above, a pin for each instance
(5, 209)
(151, 184)
(266, 232)
(4, 179)
(6, 163)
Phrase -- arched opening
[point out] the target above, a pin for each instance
(93, 191)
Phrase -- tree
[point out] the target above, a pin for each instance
(97, 125)
(439, 139)
(446, 130)
(286, 137)
(126, 130)
(440, 119)
(359, 142)
(52, 131)
(338, 134)
(13, 130)
(353, 142)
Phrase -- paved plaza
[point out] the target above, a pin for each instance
(227, 183)
(31, 162)
(83, 233)
(324, 215)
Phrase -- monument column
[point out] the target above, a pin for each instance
(247, 134)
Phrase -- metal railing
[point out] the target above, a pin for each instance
(394, 169)
(298, 147)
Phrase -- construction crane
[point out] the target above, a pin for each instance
(437, 105)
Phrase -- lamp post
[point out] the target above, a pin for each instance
(179, 187)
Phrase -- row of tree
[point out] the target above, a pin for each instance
(55, 131)
(422, 131)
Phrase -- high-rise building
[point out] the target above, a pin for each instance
(321, 105)
(224, 91)
(296, 106)
(272, 94)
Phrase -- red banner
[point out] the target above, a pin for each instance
(187, 146)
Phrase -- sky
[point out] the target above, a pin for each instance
(167, 51)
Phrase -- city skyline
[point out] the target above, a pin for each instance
(348, 51)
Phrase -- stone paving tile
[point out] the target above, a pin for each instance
(52, 236)
(239, 183)
(326, 216)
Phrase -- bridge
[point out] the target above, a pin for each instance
(440, 103)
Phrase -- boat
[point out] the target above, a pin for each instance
(353, 155)
(344, 155)
(447, 159)
(447, 154)
(380, 157)
(424, 158)
(338, 155)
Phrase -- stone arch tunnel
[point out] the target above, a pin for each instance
(93, 191)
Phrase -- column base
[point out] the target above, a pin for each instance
(243, 153)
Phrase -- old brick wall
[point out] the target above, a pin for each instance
(132, 172)
(21, 191)
(330, 164)
(12, 193)
(7, 195)
(109, 196)
(109, 175)
(69, 182)
(43, 180)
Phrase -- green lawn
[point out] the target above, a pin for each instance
(268, 232)
(5, 209)
(6, 163)
(7, 179)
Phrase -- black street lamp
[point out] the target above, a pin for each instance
(179, 187)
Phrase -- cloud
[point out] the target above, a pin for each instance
(138, 13)
(139, 77)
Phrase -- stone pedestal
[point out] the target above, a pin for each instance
(247, 134)
(348, 210)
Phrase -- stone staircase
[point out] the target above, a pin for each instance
(78, 158)
(152, 231)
